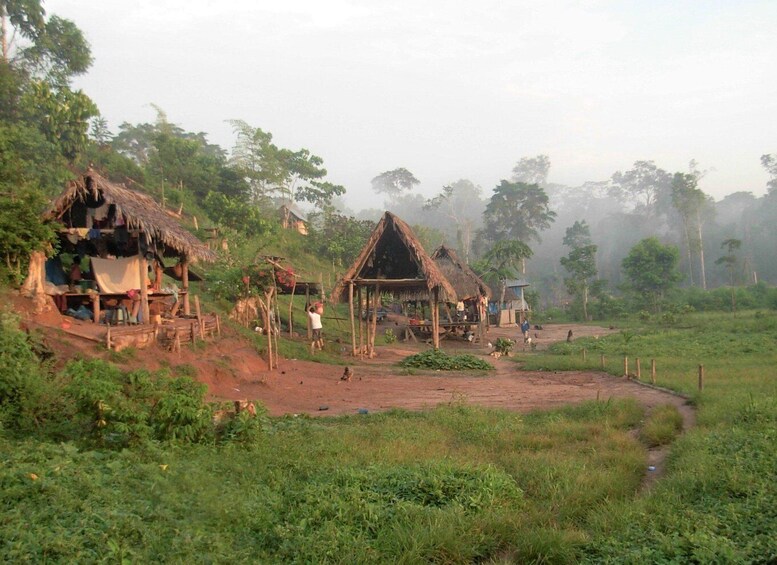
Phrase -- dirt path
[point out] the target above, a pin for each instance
(232, 370)
(302, 387)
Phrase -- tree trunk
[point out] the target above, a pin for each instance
(688, 247)
(701, 252)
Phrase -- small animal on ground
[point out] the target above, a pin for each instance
(347, 374)
(537, 327)
(496, 354)
(569, 336)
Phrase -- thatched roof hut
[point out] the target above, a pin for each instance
(466, 283)
(107, 221)
(395, 259)
(139, 211)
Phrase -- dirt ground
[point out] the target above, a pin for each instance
(303, 387)
(232, 370)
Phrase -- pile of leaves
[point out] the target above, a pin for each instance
(439, 360)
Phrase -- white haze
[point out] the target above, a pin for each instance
(452, 89)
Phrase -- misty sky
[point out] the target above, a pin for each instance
(452, 89)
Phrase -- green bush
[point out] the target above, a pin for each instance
(438, 360)
(26, 395)
(503, 345)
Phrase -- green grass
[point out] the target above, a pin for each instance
(438, 360)
(457, 484)
(662, 426)
(718, 501)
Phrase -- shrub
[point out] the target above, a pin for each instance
(26, 393)
(437, 359)
(503, 345)
(181, 413)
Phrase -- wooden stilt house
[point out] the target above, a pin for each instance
(120, 230)
(470, 288)
(392, 261)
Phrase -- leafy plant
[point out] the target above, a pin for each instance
(436, 359)
(503, 345)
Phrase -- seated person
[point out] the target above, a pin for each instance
(75, 272)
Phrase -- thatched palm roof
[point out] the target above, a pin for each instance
(467, 284)
(140, 211)
(395, 259)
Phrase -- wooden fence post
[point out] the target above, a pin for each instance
(584, 353)
(602, 360)
(625, 366)
(639, 369)
(701, 377)
(653, 371)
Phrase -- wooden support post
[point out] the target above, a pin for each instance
(435, 319)
(307, 307)
(96, 308)
(108, 339)
(625, 366)
(361, 334)
(185, 286)
(374, 331)
(198, 312)
(353, 323)
(602, 360)
(143, 267)
(584, 354)
(701, 378)
(291, 307)
(639, 370)
(653, 371)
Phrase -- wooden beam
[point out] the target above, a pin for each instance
(185, 286)
(350, 313)
(435, 319)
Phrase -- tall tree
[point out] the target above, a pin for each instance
(730, 261)
(769, 163)
(651, 268)
(272, 171)
(580, 263)
(689, 202)
(517, 211)
(460, 202)
(644, 185)
(394, 183)
(503, 260)
(532, 170)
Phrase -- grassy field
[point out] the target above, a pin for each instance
(458, 484)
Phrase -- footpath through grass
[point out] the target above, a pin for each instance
(457, 484)
(718, 502)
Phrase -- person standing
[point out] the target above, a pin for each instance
(316, 327)
(525, 327)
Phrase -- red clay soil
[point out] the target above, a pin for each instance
(232, 370)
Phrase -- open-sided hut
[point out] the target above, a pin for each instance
(470, 288)
(393, 261)
(105, 220)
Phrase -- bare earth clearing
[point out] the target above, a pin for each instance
(232, 370)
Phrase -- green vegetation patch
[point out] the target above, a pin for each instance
(438, 360)
(662, 426)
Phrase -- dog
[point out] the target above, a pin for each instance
(347, 374)
(496, 354)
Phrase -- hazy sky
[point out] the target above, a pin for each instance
(452, 89)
